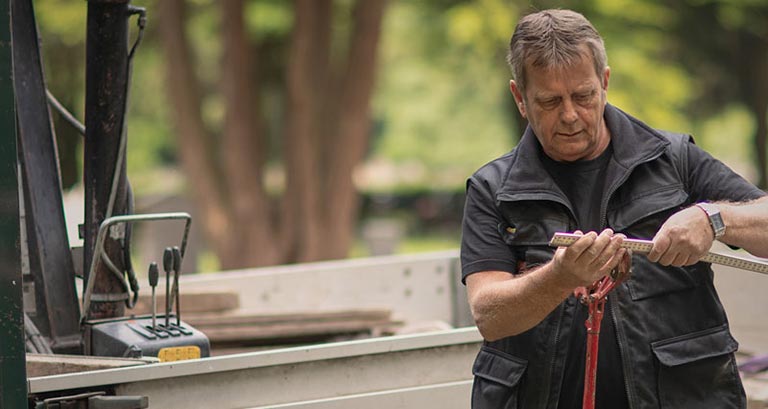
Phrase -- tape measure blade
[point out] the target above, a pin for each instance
(645, 246)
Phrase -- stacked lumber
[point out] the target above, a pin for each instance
(277, 328)
(217, 315)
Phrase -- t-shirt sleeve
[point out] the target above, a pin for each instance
(711, 180)
(482, 245)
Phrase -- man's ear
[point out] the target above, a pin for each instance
(519, 101)
(606, 76)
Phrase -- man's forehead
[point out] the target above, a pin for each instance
(556, 83)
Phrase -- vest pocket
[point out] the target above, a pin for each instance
(698, 370)
(497, 379)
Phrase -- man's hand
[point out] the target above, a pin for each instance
(590, 258)
(504, 304)
(683, 239)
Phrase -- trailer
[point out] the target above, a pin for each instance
(420, 369)
(423, 369)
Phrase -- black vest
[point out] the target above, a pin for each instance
(676, 348)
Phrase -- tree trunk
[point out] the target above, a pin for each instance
(752, 57)
(301, 220)
(324, 135)
(193, 140)
(243, 146)
(760, 110)
(340, 196)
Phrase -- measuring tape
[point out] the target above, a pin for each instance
(644, 247)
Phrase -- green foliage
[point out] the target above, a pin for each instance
(64, 20)
(442, 88)
(268, 18)
(442, 106)
(728, 136)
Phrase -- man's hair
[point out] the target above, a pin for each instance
(553, 38)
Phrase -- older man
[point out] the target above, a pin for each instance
(583, 165)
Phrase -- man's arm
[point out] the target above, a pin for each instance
(504, 305)
(687, 235)
(746, 225)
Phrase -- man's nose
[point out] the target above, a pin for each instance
(568, 113)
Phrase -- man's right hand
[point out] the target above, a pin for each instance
(504, 304)
(590, 258)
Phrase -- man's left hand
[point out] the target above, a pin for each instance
(683, 239)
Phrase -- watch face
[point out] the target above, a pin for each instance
(717, 224)
(715, 220)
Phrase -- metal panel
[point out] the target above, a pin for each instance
(452, 395)
(289, 375)
(419, 287)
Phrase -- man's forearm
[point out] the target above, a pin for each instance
(503, 305)
(747, 225)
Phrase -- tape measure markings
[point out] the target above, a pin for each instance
(644, 246)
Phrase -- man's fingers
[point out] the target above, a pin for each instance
(668, 258)
(614, 261)
(680, 260)
(611, 254)
(581, 245)
(593, 253)
(660, 246)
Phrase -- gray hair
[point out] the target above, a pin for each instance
(553, 38)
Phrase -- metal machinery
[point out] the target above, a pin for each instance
(39, 296)
(37, 258)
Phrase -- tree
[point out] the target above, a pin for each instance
(323, 133)
(725, 43)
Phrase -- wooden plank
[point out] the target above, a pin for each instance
(191, 302)
(292, 330)
(218, 320)
(230, 328)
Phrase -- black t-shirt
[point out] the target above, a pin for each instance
(583, 183)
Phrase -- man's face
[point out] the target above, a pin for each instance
(564, 107)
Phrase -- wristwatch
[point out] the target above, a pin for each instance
(715, 220)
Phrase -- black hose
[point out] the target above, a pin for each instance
(66, 115)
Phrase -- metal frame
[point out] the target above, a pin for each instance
(52, 268)
(12, 359)
(372, 370)
(99, 253)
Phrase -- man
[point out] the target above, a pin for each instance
(583, 165)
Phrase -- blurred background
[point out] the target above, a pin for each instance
(308, 130)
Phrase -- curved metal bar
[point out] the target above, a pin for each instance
(102, 236)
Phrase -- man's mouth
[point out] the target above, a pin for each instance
(569, 134)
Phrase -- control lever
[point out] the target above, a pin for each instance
(154, 276)
(176, 272)
(167, 267)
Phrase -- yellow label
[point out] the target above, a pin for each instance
(178, 353)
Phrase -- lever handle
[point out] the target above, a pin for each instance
(167, 260)
(154, 274)
(176, 259)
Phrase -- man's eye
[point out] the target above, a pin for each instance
(584, 98)
(550, 103)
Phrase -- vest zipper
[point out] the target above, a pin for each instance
(604, 220)
(559, 383)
